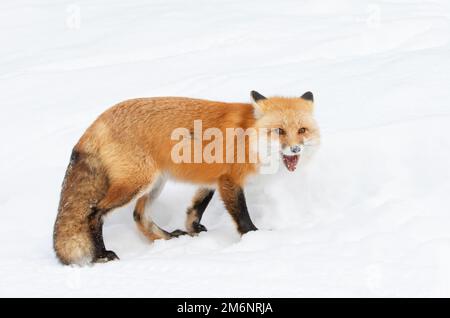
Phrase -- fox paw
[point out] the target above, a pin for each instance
(106, 256)
(197, 227)
(177, 233)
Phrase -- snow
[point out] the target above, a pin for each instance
(368, 217)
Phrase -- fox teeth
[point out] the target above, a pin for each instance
(291, 162)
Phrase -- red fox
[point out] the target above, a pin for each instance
(127, 153)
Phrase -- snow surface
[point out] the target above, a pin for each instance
(369, 217)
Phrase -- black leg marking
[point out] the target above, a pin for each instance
(241, 215)
(197, 209)
(136, 216)
(177, 233)
(234, 199)
(200, 206)
(96, 227)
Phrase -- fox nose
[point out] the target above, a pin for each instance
(296, 149)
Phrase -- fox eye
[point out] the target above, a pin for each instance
(302, 130)
(280, 131)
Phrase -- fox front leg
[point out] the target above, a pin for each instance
(233, 196)
(195, 211)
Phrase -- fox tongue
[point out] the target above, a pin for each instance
(290, 162)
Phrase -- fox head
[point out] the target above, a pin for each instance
(290, 123)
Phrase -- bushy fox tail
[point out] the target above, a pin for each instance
(85, 184)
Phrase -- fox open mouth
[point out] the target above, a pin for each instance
(290, 161)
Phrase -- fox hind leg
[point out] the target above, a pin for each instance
(144, 223)
(96, 227)
(195, 211)
(88, 193)
(118, 194)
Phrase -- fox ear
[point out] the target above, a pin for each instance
(257, 97)
(308, 96)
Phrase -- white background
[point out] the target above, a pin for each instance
(369, 217)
